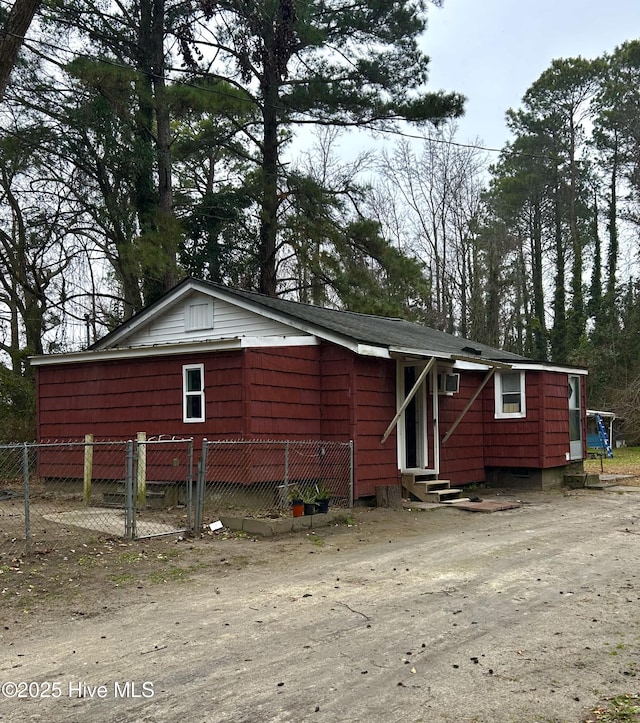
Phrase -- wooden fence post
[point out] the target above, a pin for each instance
(88, 467)
(141, 498)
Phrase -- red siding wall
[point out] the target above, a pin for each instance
(282, 393)
(374, 388)
(541, 440)
(514, 442)
(308, 392)
(554, 404)
(462, 457)
(337, 369)
(117, 399)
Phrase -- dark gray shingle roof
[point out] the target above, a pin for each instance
(374, 330)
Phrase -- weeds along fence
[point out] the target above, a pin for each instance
(85, 489)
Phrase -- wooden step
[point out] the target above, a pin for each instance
(447, 495)
(434, 484)
(459, 500)
(428, 489)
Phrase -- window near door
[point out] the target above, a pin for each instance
(510, 395)
(193, 393)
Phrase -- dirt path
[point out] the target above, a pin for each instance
(525, 615)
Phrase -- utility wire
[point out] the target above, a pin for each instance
(310, 116)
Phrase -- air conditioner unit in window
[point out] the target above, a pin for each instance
(448, 383)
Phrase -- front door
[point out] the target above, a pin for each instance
(575, 418)
(414, 447)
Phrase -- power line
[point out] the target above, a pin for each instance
(107, 61)
(250, 99)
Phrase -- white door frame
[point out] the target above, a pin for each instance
(575, 410)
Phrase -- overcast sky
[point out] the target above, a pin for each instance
(492, 51)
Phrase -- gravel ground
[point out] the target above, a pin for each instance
(436, 616)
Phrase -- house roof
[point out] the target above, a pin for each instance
(362, 333)
(391, 333)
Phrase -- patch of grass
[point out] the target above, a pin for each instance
(625, 460)
(87, 561)
(619, 709)
(122, 579)
(173, 573)
(315, 540)
(127, 558)
(168, 555)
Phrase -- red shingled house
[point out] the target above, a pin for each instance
(211, 362)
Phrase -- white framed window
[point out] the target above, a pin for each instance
(193, 393)
(510, 395)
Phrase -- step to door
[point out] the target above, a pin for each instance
(444, 495)
(427, 489)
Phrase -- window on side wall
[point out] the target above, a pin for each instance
(510, 395)
(193, 393)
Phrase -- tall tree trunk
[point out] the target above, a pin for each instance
(539, 324)
(612, 256)
(12, 36)
(576, 327)
(269, 219)
(595, 300)
(158, 226)
(559, 334)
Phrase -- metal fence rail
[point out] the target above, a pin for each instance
(82, 490)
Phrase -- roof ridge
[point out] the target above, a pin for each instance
(247, 292)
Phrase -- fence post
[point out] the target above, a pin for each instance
(88, 467)
(129, 510)
(189, 490)
(25, 486)
(200, 485)
(141, 494)
(351, 473)
(284, 500)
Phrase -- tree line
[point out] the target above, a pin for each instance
(144, 141)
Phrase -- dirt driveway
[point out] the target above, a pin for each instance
(524, 615)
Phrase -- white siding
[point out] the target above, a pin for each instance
(229, 322)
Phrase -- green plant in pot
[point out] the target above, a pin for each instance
(309, 499)
(323, 496)
(297, 502)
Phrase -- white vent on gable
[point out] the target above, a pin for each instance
(198, 315)
(448, 383)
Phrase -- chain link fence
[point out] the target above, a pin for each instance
(54, 491)
(84, 490)
(265, 478)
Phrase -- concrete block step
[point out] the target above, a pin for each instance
(119, 499)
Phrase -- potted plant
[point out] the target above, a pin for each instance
(297, 502)
(309, 499)
(323, 496)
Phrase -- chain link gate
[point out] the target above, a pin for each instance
(159, 487)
